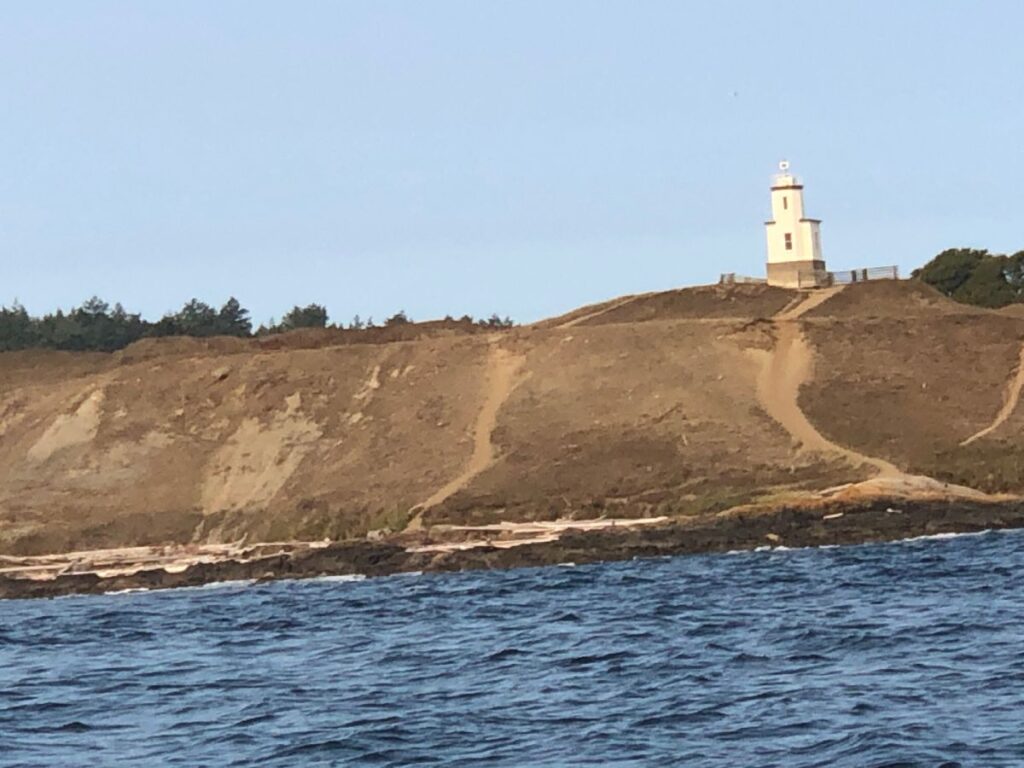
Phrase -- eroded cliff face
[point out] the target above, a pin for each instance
(648, 405)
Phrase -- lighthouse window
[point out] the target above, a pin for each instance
(789, 242)
(785, 203)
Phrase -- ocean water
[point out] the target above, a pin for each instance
(906, 654)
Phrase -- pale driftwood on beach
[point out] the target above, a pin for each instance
(507, 535)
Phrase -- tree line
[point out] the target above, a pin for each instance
(98, 326)
(975, 276)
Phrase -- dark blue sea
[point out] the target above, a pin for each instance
(906, 654)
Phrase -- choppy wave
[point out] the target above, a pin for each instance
(892, 654)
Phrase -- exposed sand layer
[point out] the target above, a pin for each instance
(69, 430)
(259, 458)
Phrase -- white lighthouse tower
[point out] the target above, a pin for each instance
(794, 242)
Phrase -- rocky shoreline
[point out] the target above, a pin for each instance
(745, 529)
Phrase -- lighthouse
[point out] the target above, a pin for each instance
(794, 241)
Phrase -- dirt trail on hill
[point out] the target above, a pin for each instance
(789, 366)
(1013, 393)
(502, 378)
(597, 313)
(801, 305)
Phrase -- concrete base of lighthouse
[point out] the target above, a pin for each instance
(798, 274)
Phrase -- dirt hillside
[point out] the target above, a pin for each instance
(680, 403)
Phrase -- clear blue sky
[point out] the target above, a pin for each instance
(516, 156)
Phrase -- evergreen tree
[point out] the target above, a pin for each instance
(196, 318)
(976, 276)
(17, 329)
(311, 316)
(948, 271)
(233, 320)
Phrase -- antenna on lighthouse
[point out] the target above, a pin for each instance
(784, 166)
